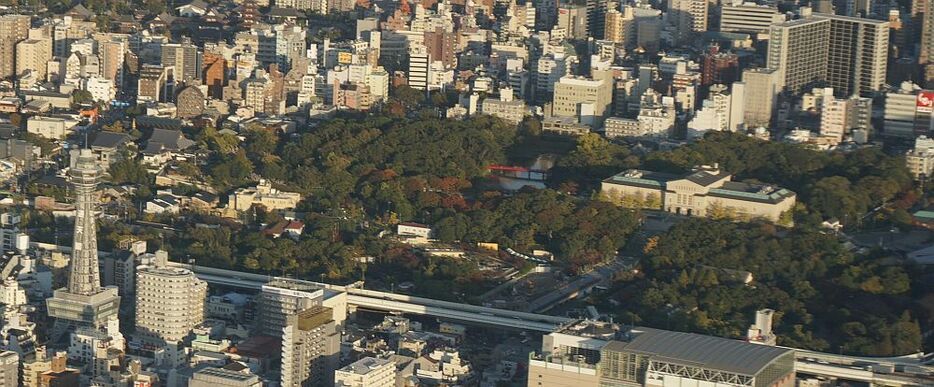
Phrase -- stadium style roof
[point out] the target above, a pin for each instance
(709, 352)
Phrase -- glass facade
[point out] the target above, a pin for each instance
(621, 368)
(776, 370)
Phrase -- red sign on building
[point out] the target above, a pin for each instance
(925, 102)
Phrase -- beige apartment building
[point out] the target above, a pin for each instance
(506, 107)
(264, 195)
(9, 368)
(33, 55)
(620, 27)
(588, 100)
(310, 348)
(762, 88)
(13, 29)
(706, 191)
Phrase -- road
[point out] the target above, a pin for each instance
(581, 285)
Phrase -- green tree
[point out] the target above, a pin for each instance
(82, 97)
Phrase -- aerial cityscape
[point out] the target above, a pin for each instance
(476, 193)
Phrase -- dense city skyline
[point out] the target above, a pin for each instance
(491, 193)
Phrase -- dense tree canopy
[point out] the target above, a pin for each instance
(841, 185)
(579, 233)
(329, 162)
(694, 281)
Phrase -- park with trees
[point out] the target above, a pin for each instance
(361, 174)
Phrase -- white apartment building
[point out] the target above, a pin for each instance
(723, 110)
(419, 68)
(656, 118)
(920, 159)
(367, 372)
(548, 70)
(749, 18)
(55, 128)
(101, 89)
(839, 117)
(169, 301)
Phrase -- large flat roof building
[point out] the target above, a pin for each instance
(367, 372)
(706, 191)
(588, 353)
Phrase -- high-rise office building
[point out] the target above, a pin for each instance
(112, 51)
(840, 116)
(440, 46)
(548, 70)
(920, 159)
(84, 303)
(13, 29)
(281, 44)
(718, 66)
(849, 53)
(169, 301)
(310, 348)
(722, 110)
(546, 14)
(151, 83)
(67, 30)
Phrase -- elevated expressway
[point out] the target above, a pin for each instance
(391, 302)
(893, 371)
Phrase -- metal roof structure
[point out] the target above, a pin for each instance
(710, 352)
